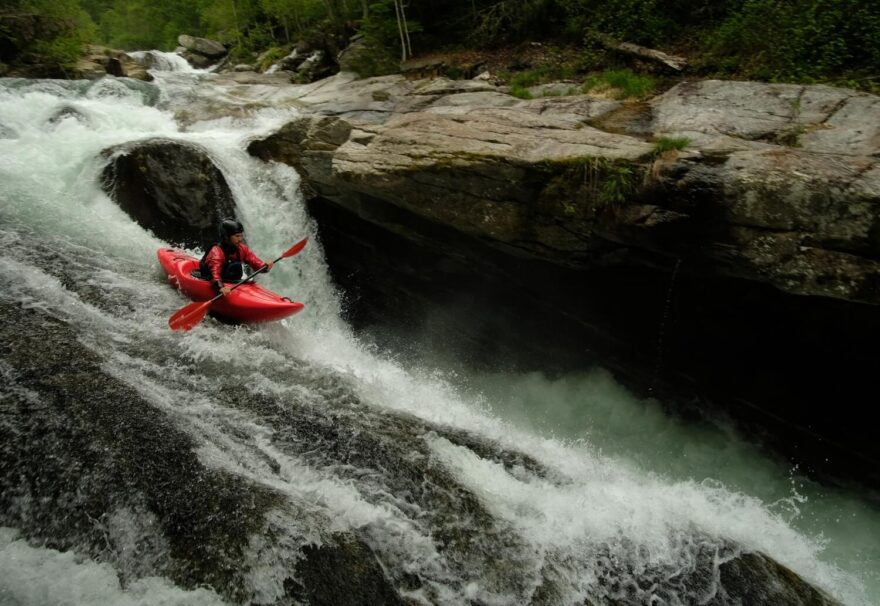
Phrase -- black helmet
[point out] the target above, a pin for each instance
(230, 227)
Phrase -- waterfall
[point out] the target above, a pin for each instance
(162, 61)
(494, 489)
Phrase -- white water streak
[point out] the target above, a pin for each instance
(48, 187)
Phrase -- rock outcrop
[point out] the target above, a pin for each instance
(766, 187)
(100, 61)
(171, 188)
(200, 52)
(717, 232)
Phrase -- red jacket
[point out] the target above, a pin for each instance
(217, 259)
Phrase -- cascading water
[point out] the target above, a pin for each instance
(163, 61)
(487, 490)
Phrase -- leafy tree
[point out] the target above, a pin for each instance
(70, 29)
(801, 40)
(144, 24)
(295, 16)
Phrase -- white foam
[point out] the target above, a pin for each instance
(33, 575)
(48, 186)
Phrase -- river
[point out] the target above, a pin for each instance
(598, 477)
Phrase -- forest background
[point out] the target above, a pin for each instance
(808, 41)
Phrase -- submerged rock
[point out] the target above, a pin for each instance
(171, 188)
(91, 465)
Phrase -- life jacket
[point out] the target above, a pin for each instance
(231, 256)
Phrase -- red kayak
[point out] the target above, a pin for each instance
(248, 303)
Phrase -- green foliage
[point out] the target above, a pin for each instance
(507, 20)
(664, 144)
(145, 24)
(380, 27)
(527, 78)
(799, 40)
(71, 29)
(617, 185)
(381, 50)
(608, 183)
(835, 41)
(373, 61)
(294, 16)
(620, 84)
(641, 21)
(521, 82)
(520, 91)
(269, 57)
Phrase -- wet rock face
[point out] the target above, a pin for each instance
(766, 193)
(171, 188)
(89, 465)
(81, 450)
(343, 573)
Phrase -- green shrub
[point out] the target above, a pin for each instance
(641, 21)
(618, 183)
(522, 81)
(620, 84)
(271, 56)
(70, 26)
(664, 144)
(802, 40)
(520, 91)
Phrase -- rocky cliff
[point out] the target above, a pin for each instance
(722, 235)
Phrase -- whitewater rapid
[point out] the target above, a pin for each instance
(623, 475)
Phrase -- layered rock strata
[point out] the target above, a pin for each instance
(723, 234)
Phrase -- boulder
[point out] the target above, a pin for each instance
(100, 61)
(196, 60)
(171, 188)
(202, 46)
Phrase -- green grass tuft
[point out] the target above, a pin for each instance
(621, 84)
(664, 144)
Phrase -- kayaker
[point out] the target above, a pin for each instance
(223, 261)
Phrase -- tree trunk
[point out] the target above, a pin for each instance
(643, 52)
(405, 29)
(397, 11)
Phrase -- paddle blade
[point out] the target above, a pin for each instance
(189, 316)
(295, 248)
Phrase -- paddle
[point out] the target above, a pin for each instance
(192, 314)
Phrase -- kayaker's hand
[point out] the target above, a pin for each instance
(225, 290)
(269, 265)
